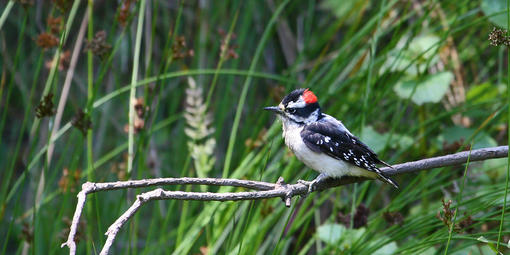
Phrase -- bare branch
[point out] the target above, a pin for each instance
(448, 160)
(264, 190)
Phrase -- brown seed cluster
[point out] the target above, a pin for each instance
(45, 107)
(50, 40)
(499, 37)
(455, 146)
(140, 110)
(64, 233)
(393, 218)
(63, 63)
(69, 181)
(63, 5)
(447, 214)
(55, 25)
(180, 49)
(227, 48)
(360, 217)
(27, 232)
(98, 45)
(82, 121)
(25, 3)
(124, 12)
(120, 168)
(467, 224)
(46, 41)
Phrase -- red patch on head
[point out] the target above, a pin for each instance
(309, 97)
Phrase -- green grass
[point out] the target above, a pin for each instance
(352, 54)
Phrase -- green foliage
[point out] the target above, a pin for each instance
(414, 59)
(426, 89)
(495, 10)
(412, 79)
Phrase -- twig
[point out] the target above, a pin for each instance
(448, 160)
(264, 190)
(67, 82)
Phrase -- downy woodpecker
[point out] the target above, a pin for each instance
(322, 142)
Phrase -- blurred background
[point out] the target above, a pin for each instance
(413, 79)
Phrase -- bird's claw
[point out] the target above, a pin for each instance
(310, 185)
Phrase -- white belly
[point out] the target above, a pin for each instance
(319, 161)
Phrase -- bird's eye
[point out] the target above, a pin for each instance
(291, 110)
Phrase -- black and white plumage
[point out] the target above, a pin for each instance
(322, 142)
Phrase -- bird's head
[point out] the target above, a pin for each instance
(298, 107)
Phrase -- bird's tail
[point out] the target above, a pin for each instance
(387, 179)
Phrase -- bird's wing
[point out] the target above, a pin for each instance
(339, 144)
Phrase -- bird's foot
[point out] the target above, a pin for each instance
(308, 184)
(312, 186)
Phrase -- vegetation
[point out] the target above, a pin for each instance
(117, 90)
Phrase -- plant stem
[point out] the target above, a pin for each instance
(132, 93)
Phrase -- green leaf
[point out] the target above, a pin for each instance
(457, 134)
(429, 89)
(485, 92)
(492, 170)
(351, 236)
(330, 233)
(387, 249)
(339, 236)
(496, 11)
(342, 8)
(430, 251)
(475, 250)
(421, 52)
(426, 45)
(373, 139)
(377, 141)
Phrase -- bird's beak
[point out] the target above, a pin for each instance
(274, 109)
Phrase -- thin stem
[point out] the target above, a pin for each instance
(222, 59)
(5, 13)
(132, 94)
(459, 200)
(502, 220)
(90, 87)
(246, 86)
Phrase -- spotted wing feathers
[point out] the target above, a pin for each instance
(330, 139)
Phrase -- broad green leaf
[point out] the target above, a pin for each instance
(492, 169)
(339, 236)
(330, 233)
(476, 249)
(461, 134)
(429, 89)
(373, 139)
(351, 236)
(387, 249)
(496, 11)
(430, 251)
(413, 60)
(377, 141)
(424, 47)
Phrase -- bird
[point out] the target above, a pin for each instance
(323, 143)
